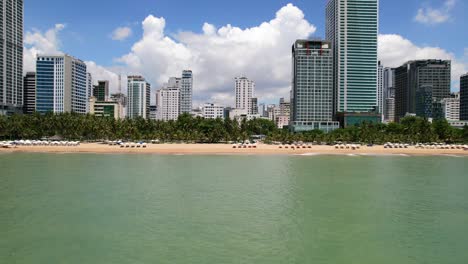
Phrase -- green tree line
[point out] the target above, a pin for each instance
(71, 126)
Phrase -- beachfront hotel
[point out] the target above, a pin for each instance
(61, 85)
(245, 89)
(312, 86)
(352, 29)
(420, 87)
(105, 108)
(11, 59)
(138, 94)
(168, 102)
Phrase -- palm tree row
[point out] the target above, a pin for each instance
(190, 129)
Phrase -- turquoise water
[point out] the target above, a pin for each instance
(74, 208)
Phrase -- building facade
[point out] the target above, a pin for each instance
(389, 95)
(380, 90)
(101, 91)
(29, 93)
(390, 110)
(11, 59)
(213, 111)
(61, 85)
(122, 100)
(464, 97)
(451, 107)
(186, 92)
(105, 108)
(415, 81)
(139, 93)
(167, 103)
(352, 29)
(245, 89)
(312, 87)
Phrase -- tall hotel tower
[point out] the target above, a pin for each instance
(62, 85)
(139, 92)
(245, 89)
(312, 86)
(352, 28)
(11, 59)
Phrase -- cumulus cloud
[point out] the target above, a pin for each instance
(121, 33)
(37, 42)
(219, 54)
(48, 42)
(431, 16)
(394, 50)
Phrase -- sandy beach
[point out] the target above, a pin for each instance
(214, 149)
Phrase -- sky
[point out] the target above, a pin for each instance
(220, 40)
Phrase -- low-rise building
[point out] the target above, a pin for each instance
(105, 108)
(451, 108)
(213, 111)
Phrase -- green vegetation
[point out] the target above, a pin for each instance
(189, 129)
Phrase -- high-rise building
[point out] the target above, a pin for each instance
(254, 106)
(139, 92)
(89, 87)
(11, 56)
(101, 91)
(389, 94)
(61, 85)
(390, 109)
(244, 93)
(122, 100)
(420, 86)
(312, 87)
(464, 97)
(186, 91)
(352, 29)
(167, 103)
(380, 89)
(213, 111)
(29, 93)
(153, 112)
(451, 107)
(262, 111)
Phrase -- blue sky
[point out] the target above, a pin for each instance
(89, 24)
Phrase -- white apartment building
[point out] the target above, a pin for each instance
(139, 92)
(167, 103)
(282, 121)
(244, 93)
(213, 111)
(451, 108)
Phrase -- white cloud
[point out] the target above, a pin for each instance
(48, 42)
(394, 50)
(219, 54)
(121, 33)
(37, 42)
(432, 16)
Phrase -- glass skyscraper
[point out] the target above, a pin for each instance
(352, 28)
(61, 85)
(139, 92)
(11, 56)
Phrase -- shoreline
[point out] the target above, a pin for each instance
(227, 149)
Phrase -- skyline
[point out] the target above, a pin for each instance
(214, 72)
